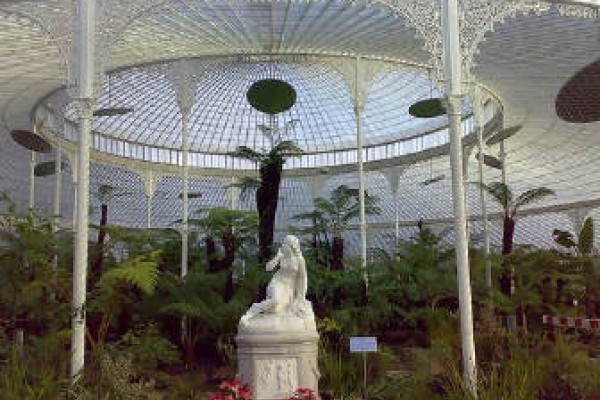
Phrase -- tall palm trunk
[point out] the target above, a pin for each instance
(267, 196)
(99, 260)
(337, 253)
(508, 235)
(211, 252)
(506, 277)
(216, 263)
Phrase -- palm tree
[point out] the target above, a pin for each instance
(334, 216)
(511, 204)
(585, 239)
(583, 246)
(267, 193)
(234, 228)
(105, 194)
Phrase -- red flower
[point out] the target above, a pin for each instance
(233, 390)
(245, 393)
(303, 394)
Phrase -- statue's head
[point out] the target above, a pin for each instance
(292, 243)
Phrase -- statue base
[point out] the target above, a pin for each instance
(277, 354)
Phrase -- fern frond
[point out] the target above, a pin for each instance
(141, 272)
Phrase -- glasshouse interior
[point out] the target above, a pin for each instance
(242, 199)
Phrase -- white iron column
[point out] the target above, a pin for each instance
(361, 175)
(393, 178)
(452, 69)
(185, 147)
(234, 194)
(75, 183)
(86, 39)
(150, 188)
(149, 211)
(478, 114)
(465, 171)
(31, 179)
(396, 197)
(57, 185)
(503, 160)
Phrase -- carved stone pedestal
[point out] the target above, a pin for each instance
(277, 355)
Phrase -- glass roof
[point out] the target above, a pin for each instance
(222, 119)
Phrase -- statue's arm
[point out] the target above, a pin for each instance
(274, 261)
(301, 280)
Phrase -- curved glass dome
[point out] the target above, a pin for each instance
(322, 121)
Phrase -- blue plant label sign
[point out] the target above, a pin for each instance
(363, 344)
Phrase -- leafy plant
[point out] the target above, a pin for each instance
(333, 216)
(113, 291)
(270, 163)
(147, 347)
(234, 228)
(511, 204)
(585, 239)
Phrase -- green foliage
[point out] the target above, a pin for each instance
(140, 272)
(585, 242)
(505, 197)
(342, 372)
(333, 215)
(134, 242)
(586, 237)
(220, 220)
(276, 155)
(37, 371)
(118, 378)
(270, 163)
(210, 321)
(147, 347)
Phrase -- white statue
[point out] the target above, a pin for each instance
(286, 293)
(277, 340)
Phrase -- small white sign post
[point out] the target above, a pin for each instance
(364, 345)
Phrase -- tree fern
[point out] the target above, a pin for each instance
(530, 196)
(585, 240)
(586, 237)
(141, 272)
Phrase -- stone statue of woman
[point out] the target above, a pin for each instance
(277, 340)
(286, 293)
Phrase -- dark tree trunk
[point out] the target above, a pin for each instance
(229, 245)
(506, 276)
(337, 253)
(226, 263)
(216, 264)
(211, 252)
(560, 287)
(267, 196)
(508, 235)
(99, 260)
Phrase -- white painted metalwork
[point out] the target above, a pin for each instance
(57, 186)
(478, 114)
(454, 96)
(185, 174)
(86, 51)
(358, 107)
